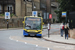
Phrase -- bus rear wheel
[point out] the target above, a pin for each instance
(25, 35)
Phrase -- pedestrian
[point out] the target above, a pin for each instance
(66, 31)
(49, 27)
(50, 22)
(61, 29)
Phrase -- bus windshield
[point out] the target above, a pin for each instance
(33, 23)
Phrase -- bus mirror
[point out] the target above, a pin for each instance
(22, 21)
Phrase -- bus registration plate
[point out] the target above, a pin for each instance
(32, 35)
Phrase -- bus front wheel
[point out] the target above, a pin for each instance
(25, 36)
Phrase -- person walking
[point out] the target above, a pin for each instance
(49, 27)
(61, 29)
(66, 31)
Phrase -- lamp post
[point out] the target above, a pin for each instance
(25, 6)
(33, 5)
(49, 7)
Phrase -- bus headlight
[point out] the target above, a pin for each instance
(40, 32)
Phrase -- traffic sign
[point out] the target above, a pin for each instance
(50, 16)
(63, 14)
(34, 13)
(7, 15)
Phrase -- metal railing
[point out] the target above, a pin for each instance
(7, 1)
(11, 11)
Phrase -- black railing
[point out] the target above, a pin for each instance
(11, 11)
(7, 2)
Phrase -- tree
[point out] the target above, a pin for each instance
(65, 5)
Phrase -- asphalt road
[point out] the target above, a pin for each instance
(14, 40)
(6, 42)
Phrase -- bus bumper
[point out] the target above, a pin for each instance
(24, 33)
(39, 35)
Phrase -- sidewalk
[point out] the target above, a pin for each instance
(59, 39)
(10, 28)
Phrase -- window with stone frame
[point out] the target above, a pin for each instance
(10, 8)
(29, 11)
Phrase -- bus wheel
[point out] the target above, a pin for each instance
(39, 36)
(25, 35)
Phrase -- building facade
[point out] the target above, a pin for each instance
(54, 6)
(36, 7)
(43, 7)
(7, 6)
(20, 8)
(48, 7)
(23, 8)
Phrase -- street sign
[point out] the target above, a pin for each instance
(7, 15)
(34, 13)
(63, 14)
(50, 16)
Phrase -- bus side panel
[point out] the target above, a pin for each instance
(24, 33)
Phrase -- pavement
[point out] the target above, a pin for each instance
(59, 39)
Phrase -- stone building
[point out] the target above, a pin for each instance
(54, 6)
(23, 8)
(20, 8)
(36, 7)
(7, 6)
(45, 8)
(48, 7)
